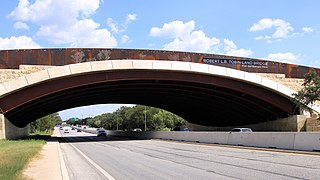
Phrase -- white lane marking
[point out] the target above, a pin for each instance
(63, 168)
(105, 173)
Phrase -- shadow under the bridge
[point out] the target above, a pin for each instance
(83, 138)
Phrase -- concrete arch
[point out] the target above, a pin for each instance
(202, 91)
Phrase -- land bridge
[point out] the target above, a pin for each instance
(206, 89)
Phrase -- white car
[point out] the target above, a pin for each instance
(241, 130)
(66, 130)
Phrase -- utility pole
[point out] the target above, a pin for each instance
(145, 118)
(117, 119)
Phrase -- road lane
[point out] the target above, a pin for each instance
(152, 159)
(77, 165)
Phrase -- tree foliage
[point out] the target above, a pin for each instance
(310, 93)
(129, 118)
(45, 124)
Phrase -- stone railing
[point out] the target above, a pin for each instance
(293, 83)
(9, 74)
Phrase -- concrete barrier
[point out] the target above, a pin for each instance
(281, 140)
(307, 141)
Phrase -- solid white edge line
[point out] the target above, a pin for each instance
(63, 168)
(105, 173)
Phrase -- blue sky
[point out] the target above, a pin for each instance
(285, 31)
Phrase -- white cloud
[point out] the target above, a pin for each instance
(119, 28)
(262, 25)
(228, 45)
(240, 52)
(283, 29)
(65, 22)
(196, 41)
(97, 38)
(283, 57)
(113, 25)
(174, 29)
(42, 11)
(185, 37)
(20, 25)
(304, 31)
(307, 29)
(231, 49)
(130, 18)
(84, 33)
(20, 42)
(125, 39)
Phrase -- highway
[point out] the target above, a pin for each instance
(90, 157)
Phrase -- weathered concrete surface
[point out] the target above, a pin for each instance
(293, 83)
(9, 131)
(313, 123)
(9, 74)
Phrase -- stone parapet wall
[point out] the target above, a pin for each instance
(292, 83)
(9, 74)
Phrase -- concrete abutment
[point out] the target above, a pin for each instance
(295, 123)
(10, 131)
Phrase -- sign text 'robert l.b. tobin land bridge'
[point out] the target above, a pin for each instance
(206, 89)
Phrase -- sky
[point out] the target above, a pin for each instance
(285, 31)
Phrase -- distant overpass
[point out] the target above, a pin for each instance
(205, 89)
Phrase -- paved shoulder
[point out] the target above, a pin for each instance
(49, 164)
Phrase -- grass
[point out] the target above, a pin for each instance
(15, 154)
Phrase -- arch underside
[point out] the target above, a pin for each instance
(199, 98)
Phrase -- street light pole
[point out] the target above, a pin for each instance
(145, 118)
(117, 119)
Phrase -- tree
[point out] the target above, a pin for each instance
(128, 118)
(310, 93)
(134, 117)
(46, 123)
(164, 119)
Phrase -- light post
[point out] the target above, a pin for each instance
(117, 119)
(145, 118)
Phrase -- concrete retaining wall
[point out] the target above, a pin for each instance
(282, 140)
(10, 131)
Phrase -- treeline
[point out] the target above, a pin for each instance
(129, 118)
(45, 124)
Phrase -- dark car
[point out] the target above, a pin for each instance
(102, 133)
(179, 128)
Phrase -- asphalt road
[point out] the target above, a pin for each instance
(90, 157)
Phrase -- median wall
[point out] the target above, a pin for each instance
(10, 131)
(306, 141)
